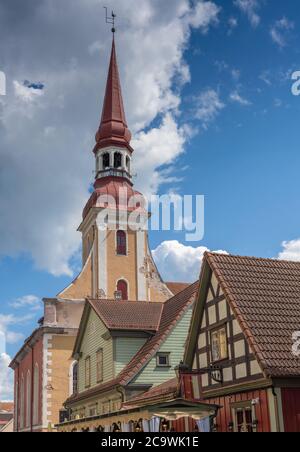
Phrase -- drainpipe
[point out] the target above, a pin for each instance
(276, 409)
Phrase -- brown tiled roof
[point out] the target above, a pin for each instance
(128, 315)
(167, 390)
(176, 287)
(265, 297)
(173, 310)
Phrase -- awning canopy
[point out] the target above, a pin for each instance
(171, 411)
(176, 409)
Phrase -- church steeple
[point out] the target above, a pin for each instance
(113, 151)
(113, 129)
(116, 256)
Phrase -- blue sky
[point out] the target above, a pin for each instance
(243, 152)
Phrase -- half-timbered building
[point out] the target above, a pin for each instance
(241, 346)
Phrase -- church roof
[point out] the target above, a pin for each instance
(264, 295)
(113, 129)
(114, 192)
(128, 315)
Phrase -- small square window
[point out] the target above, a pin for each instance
(163, 360)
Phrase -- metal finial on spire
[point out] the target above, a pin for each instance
(110, 19)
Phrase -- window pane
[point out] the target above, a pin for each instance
(100, 366)
(163, 360)
(215, 347)
(223, 344)
(87, 371)
(219, 346)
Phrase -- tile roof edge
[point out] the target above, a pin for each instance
(252, 258)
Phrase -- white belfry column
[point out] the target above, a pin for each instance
(140, 258)
(102, 258)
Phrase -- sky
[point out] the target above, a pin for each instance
(207, 92)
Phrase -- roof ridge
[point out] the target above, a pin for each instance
(253, 258)
(122, 302)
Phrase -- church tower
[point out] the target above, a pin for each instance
(115, 253)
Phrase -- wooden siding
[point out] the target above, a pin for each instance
(225, 417)
(91, 342)
(175, 345)
(125, 349)
(291, 409)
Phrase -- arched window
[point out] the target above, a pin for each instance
(16, 405)
(117, 160)
(121, 243)
(122, 287)
(128, 164)
(36, 391)
(22, 403)
(75, 378)
(28, 399)
(105, 160)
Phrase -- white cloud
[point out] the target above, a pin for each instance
(31, 302)
(250, 8)
(25, 93)
(14, 338)
(232, 24)
(265, 76)
(159, 146)
(291, 251)
(237, 98)
(179, 262)
(279, 31)
(208, 105)
(204, 15)
(6, 378)
(11, 320)
(236, 74)
(46, 140)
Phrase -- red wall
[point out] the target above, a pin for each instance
(224, 415)
(262, 410)
(291, 409)
(34, 356)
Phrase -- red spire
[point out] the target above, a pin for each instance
(113, 130)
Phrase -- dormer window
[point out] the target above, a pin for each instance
(117, 160)
(106, 160)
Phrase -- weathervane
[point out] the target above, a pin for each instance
(110, 19)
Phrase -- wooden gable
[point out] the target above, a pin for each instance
(238, 364)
